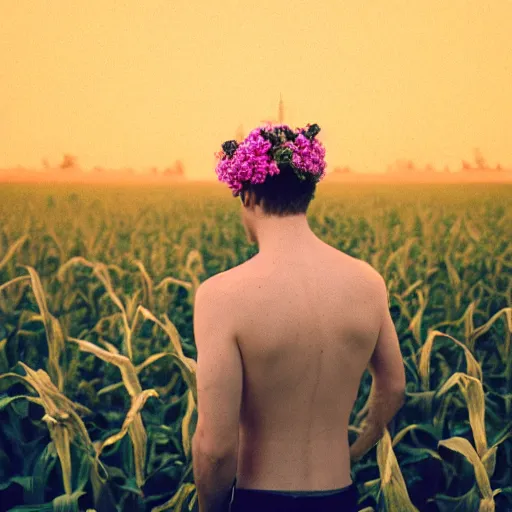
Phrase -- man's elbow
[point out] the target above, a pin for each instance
(392, 387)
(398, 395)
(396, 384)
(393, 401)
(213, 453)
(393, 394)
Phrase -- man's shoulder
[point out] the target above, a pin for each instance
(222, 294)
(368, 277)
(358, 265)
(368, 270)
(225, 284)
(213, 284)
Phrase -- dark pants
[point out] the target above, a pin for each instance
(339, 500)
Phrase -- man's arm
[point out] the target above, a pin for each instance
(387, 394)
(219, 394)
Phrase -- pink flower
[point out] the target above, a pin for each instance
(253, 160)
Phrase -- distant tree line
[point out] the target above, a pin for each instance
(69, 163)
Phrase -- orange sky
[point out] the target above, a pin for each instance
(142, 83)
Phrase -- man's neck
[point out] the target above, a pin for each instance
(286, 235)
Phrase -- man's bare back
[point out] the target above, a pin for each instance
(308, 324)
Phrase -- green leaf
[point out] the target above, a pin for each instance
(45, 507)
(6, 400)
(41, 472)
(67, 502)
(25, 481)
(465, 503)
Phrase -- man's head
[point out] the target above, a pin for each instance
(275, 171)
(281, 195)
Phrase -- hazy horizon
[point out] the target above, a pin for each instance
(145, 84)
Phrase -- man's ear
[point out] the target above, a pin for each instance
(247, 199)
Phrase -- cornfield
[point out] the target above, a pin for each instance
(97, 357)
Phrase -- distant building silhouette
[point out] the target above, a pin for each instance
(69, 163)
(176, 171)
(280, 113)
(480, 164)
(180, 168)
(479, 159)
(407, 166)
(239, 135)
(401, 165)
(342, 170)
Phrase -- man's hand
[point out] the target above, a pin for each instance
(363, 444)
(373, 426)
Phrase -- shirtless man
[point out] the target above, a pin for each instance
(283, 341)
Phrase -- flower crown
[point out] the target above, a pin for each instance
(266, 147)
